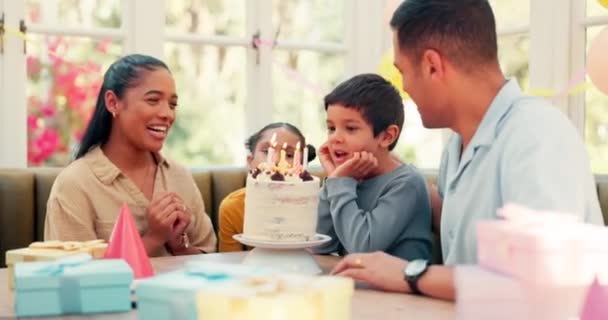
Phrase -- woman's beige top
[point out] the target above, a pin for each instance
(87, 196)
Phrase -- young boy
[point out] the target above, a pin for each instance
(370, 201)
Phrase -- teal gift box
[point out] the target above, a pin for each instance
(76, 284)
(173, 295)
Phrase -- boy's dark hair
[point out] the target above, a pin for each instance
(376, 99)
(462, 30)
(252, 141)
(123, 74)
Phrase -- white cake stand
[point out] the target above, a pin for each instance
(285, 256)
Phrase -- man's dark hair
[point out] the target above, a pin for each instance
(464, 31)
(376, 99)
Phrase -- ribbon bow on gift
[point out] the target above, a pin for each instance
(58, 267)
(69, 285)
(219, 271)
(209, 271)
(66, 245)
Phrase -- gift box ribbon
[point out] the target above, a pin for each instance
(69, 284)
(66, 245)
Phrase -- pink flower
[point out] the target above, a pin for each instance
(48, 110)
(77, 97)
(47, 143)
(32, 122)
(103, 45)
(33, 103)
(33, 66)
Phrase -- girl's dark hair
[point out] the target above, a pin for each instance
(122, 74)
(252, 142)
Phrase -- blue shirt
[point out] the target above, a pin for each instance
(390, 212)
(524, 151)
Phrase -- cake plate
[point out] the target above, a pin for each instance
(288, 256)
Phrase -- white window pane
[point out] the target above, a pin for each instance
(594, 8)
(300, 81)
(596, 120)
(206, 17)
(513, 54)
(511, 13)
(75, 13)
(309, 20)
(64, 76)
(210, 124)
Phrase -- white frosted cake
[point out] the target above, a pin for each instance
(277, 297)
(281, 204)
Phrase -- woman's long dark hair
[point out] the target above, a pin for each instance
(252, 141)
(122, 74)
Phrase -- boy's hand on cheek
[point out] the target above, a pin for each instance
(358, 167)
(325, 159)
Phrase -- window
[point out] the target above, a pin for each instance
(512, 23)
(513, 56)
(210, 75)
(228, 89)
(64, 72)
(308, 62)
(596, 102)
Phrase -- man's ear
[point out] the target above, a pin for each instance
(389, 135)
(433, 64)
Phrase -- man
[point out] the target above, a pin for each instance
(505, 148)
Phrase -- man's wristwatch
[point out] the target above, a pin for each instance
(412, 273)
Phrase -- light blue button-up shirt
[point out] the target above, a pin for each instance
(524, 151)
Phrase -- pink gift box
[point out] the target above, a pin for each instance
(543, 247)
(482, 294)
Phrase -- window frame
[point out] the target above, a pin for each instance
(552, 61)
(140, 19)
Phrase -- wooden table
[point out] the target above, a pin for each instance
(366, 304)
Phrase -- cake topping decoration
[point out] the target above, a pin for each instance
(283, 170)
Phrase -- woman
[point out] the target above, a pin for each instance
(119, 162)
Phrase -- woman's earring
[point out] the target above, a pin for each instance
(113, 114)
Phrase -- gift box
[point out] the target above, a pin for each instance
(74, 284)
(482, 294)
(172, 295)
(543, 248)
(51, 251)
(277, 297)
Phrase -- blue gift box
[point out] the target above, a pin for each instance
(76, 284)
(173, 295)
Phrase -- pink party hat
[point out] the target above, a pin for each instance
(596, 303)
(125, 243)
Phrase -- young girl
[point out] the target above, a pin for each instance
(232, 208)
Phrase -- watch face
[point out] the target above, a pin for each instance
(415, 267)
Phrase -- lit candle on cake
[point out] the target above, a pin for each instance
(305, 157)
(270, 152)
(283, 165)
(297, 156)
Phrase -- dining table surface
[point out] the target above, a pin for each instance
(367, 303)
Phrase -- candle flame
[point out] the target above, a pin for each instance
(298, 146)
(284, 145)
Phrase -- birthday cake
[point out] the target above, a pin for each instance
(281, 201)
